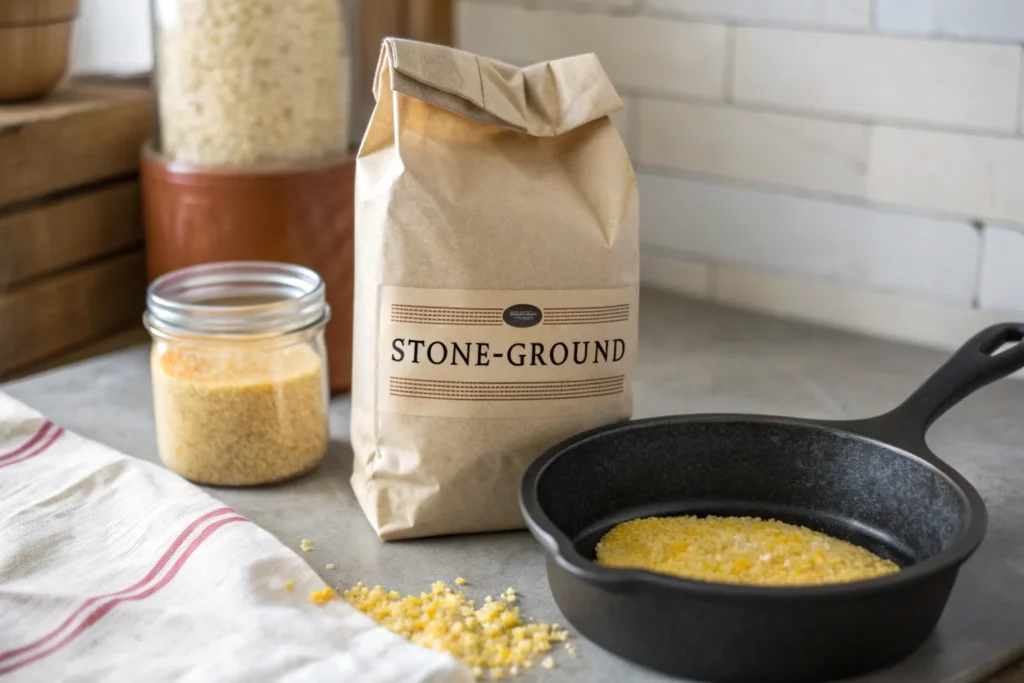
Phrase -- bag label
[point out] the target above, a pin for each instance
(507, 353)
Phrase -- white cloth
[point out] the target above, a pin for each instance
(113, 569)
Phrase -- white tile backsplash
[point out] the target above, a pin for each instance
(1002, 282)
(811, 13)
(1020, 105)
(832, 241)
(666, 56)
(591, 5)
(636, 52)
(912, 17)
(989, 19)
(966, 174)
(674, 273)
(882, 314)
(819, 159)
(623, 120)
(754, 146)
(518, 35)
(112, 37)
(879, 78)
(995, 20)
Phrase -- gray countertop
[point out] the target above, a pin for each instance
(693, 358)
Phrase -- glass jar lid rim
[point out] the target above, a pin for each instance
(269, 298)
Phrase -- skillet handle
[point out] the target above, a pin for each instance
(978, 363)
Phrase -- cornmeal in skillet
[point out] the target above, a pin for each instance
(745, 550)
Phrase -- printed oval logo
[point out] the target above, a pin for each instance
(522, 315)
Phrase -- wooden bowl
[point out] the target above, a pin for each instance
(300, 214)
(25, 12)
(34, 56)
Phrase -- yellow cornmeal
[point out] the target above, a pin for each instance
(492, 640)
(239, 415)
(745, 550)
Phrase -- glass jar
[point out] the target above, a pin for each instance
(242, 83)
(239, 371)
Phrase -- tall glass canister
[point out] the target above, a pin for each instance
(243, 83)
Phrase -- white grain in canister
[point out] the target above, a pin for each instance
(247, 82)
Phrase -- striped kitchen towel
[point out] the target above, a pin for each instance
(113, 569)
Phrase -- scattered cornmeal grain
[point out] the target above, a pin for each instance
(493, 640)
(746, 550)
(322, 597)
(289, 585)
(548, 663)
(460, 581)
(239, 415)
(305, 545)
(330, 567)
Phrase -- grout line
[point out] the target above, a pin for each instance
(723, 261)
(813, 195)
(717, 19)
(776, 271)
(750, 105)
(667, 95)
(676, 253)
(866, 164)
(729, 64)
(1020, 96)
(634, 123)
(869, 30)
(681, 257)
(982, 231)
(756, 107)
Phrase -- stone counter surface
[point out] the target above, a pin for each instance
(693, 358)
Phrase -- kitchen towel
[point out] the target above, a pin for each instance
(113, 569)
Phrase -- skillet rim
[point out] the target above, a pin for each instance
(560, 547)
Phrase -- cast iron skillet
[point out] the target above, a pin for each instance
(873, 482)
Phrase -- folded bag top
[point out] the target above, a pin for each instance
(543, 99)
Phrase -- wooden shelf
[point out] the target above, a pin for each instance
(72, 270)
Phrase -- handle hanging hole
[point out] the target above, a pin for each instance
(1004, 348)
(1010, 339)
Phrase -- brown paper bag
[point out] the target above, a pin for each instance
(496, 282)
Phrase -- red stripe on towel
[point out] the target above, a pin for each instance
(161, 563)
(30, 443)
(54, 435)
(103, 609)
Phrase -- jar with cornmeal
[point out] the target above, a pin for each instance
(239, 371)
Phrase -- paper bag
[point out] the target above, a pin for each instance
(496, 282)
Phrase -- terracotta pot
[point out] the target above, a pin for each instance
(294, 214)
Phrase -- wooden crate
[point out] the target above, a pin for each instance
(72, 270)
(71, 230)
(71, 309)
(84, 133)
